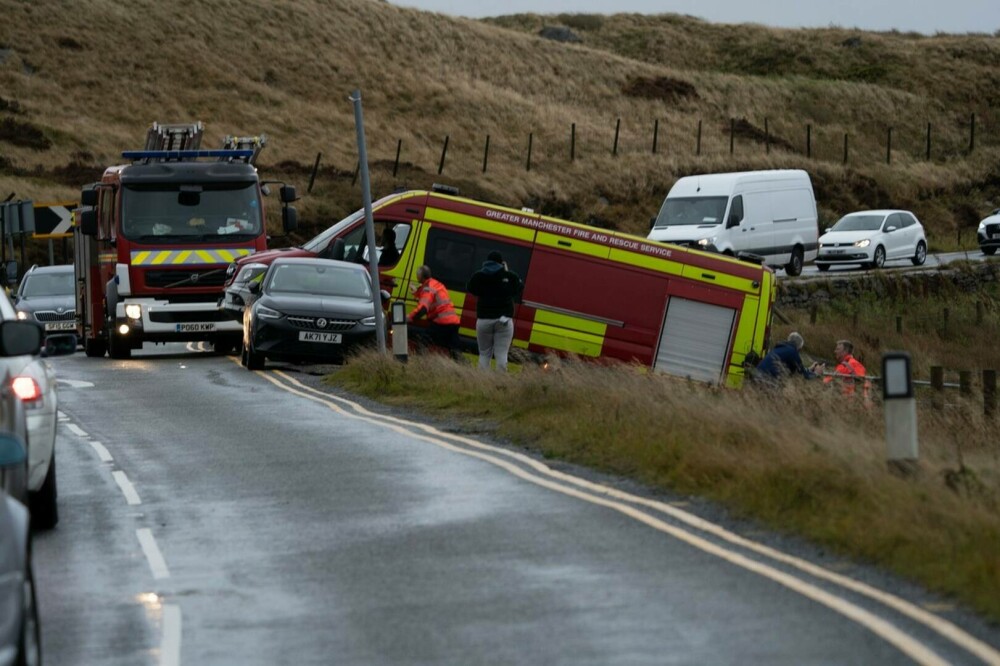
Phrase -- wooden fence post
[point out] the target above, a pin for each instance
(888, 147)
(899, 324)
(572, 142)
(531, 138)
(486, 153)
(928, 157)
(767, 137)
(965, 382)
(395, 165)
(312, 178)
(618, 126)
(845, 147)
(357, 168)
(937, 384)
(809, 132)
(989, 392)
(444, 151)
(698, 148)
(732, 135)
(656, 132)
(972, 133)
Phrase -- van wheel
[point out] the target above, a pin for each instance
(989, 251)
(823, 267)
(921, 256)
(794, 267)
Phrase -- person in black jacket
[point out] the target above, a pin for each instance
(784, 360)
(496, 289)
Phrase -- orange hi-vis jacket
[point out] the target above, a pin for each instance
(433, 301)
(853, 372)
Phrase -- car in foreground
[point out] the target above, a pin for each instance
(988, 233)
(872, 237)
(308, 309)
(32, 379)
(46, 294)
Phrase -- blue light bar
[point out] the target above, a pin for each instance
(183, 154)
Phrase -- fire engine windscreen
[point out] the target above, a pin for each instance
(691, 211)
(186, 213)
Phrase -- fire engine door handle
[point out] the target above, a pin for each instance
(564, 243)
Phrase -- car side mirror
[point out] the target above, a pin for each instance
(19, 338)
(60, 345)
(289, 219)
(828, 230)
(254, 287)
(888, 229)
(652, 223)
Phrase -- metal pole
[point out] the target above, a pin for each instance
(444, 151)
(369, 221)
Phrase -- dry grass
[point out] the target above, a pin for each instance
(92, 75)
(798, 460)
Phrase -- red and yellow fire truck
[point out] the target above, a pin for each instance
(154, 238)
(588, 291)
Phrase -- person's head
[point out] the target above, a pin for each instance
(424, 273)
(842, 349)
(495, 256)
(388, 236)
(796, 339)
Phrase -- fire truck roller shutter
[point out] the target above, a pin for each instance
(695, 339)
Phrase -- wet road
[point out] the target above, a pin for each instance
(210, 515)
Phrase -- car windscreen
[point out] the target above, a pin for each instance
(47, 284)
(859, 223)
(190, 214)
(318, 281)
(691, 211)
(319, 243)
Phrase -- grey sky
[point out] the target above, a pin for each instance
(925, 16)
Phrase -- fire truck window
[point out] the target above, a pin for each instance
(107, 208)
(392, 240)
(454, 257)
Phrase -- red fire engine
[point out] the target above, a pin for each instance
(155, 236)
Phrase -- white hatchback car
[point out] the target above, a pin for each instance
(33, 380)
(871, 238)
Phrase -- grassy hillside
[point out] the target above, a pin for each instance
(79, 82)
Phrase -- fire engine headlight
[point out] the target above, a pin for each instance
(863, 243)
(133, 311)
(123, 329)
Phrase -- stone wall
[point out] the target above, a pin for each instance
(964, 277)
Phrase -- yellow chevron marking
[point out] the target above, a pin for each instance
(182, 256)
(161, 257)
(138, 258)
(206, 257)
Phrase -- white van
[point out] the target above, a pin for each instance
(771, 214)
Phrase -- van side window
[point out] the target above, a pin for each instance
(735, 212)
(454, 257)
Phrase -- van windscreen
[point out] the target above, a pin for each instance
(691, 211)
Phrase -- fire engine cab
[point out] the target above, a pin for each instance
(154, 238)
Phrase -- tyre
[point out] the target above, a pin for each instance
(921, 256)
(878, 259)
(223, 347)
(243, 356)
(94, 348)
(118, 347)
(823, 267)
(44, 505)
(255, 360)
(29, 646)
(989, 251)
(794, 266)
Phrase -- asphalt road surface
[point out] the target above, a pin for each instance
(896, 265)
(212, 515)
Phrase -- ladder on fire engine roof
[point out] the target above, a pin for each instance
(179, 136)
(254, 143)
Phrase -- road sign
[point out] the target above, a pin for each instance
(18, 217)
(54, 220)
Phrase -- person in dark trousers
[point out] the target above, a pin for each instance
(784, 360)
(389, 255)
(434, 303)
(496, 289)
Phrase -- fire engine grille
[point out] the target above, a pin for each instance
(51, 315)
(333, 325)
(163, 279)
(165, 317)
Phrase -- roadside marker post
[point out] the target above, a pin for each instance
(400, 344)
(900, 407)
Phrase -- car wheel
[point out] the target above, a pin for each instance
(223, 347)
(878, 259)
(921, 256)
(989, 251)
(794, 267)
(94, 348)
(823, 267)
(44, 505)
(255, 360)
(29, 646)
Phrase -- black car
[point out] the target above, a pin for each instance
(47, 295)
(308, 309)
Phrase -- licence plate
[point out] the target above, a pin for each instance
(60, 326)
(835, 251)
(312, 336)
(194, 328)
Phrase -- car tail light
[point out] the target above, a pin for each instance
(27, 389)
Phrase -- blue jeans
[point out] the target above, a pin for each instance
(494, 337)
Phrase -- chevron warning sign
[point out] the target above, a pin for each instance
(54, 220)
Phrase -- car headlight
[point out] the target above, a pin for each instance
(230, 271)
(267, 313)
(133, 311)
(863, 243)
(705, 242)
(368, 321)
(21, 314)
